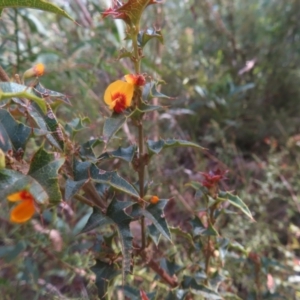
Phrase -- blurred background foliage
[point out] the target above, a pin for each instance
(233, 67)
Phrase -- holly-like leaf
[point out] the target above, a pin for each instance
(112, 125)
(135, 294)
(116, 213)
(199, 289)
(96, 219)
(49, 124)
(10, 90)
(13, 135)
(35, 4)
(72, 187)
(44, 169)
(142, 109)
(154, 234)
(104, 273)
(150, 91)
(170, 266)
(235, 201)
(126, 154)
(179, 232)
(124, 53)
(145, 36)
(42, 92)
(112, 179)
(87, 149)
(154, 147)
(200, 229)
(76, 125)
(154, 212)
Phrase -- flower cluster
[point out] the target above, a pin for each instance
(211, 179)
(25, 209)
(118, 95)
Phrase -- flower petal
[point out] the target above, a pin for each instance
(118, 87)
(22, 212)
(19, 196)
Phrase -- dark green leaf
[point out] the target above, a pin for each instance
(237, 202)
(154, 147)
(49, 124)
(170, 266)
(87, 149)
(44, 169)
(112, 126)
(95, 220)
(104, 273)
(76, 125)
(154, 234)
(179, 232)
(124, 53)
(126, 154)
(35, 4)
(199, 289)
(13, 135)
(145, 36)
(42, 92)
(9, 253)
(112, 179)
(200, 229)
(150, 91)
(134, 294)
(72, 187)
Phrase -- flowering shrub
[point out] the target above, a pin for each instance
(61, 172)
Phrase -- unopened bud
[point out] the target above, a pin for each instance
(2, 160)
(36, 71)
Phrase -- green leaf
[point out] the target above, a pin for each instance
(124, 53)
(13, 135)
(35, 4)
(134, 294)
(72, 187)
(142, 109)
(150, 91)
(42, 92)
(116, 212)
(112, 125)
(96, 219)
(126, 154)
(87, 149)
(44, 169)
(199, 289)
(154, 147)
(235, 201)
(145, 36)
(76, 125)
(49, 124)
(113, 179)
(154, 212)
(200, 229)
(170, 266)
(11, 90)
(179, 232)
(154, 234)
(104, 273)
(9, 253)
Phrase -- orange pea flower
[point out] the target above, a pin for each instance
(24, 210)
(118, 95)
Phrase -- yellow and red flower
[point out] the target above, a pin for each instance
(25, 209)
(118, 95)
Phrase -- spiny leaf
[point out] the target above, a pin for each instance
(142, 109)
(112, 125)
(150, 91)
(135, 294)
(155, 147)
(49, 124)
(154, 212)
(13, 134)
(76, 125)
(126, 154)
(35, 4)
(96, 219)
(87, 149)
(14, 90)
(42, 92)
(199, 289)
(104, 273)
(72, 187)
(235, 201)
(145, 36)
(113, 179)
(44, 169)
(200, 229)
(116, 213)
(179, 232)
